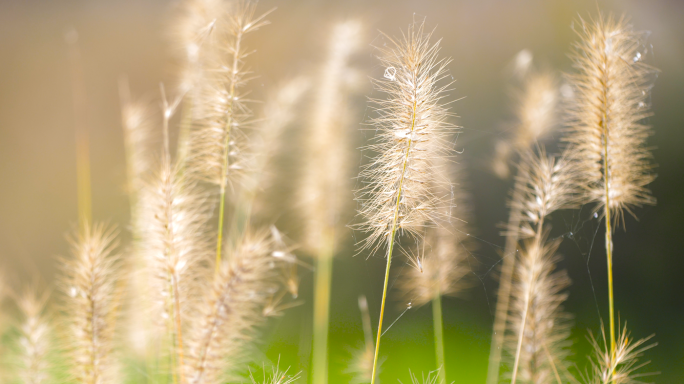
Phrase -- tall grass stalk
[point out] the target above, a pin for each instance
(215, 150)
(325, 185)
(607, 134)
(412, 132)
(535, 115)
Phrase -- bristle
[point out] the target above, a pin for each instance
(431, 378)
(328, 142)
(35, 340)
(233, 308)
(216, 143)
(607, 135)
(411, 134)
(535, 116)
(277, 376)
(623, 369)
(537, 315)
(440, 266)
(90, 302)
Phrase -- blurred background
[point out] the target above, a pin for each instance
(38, 166)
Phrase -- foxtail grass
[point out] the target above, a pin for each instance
(90, 288)
(535, 114)
(606, 130)
(411, 130)
(35, 338)
(232, 308)
(326, 178)
(617, 366)
(537, 292)
(216, 151)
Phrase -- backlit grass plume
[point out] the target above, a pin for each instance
(233, 307)
(91, 304)
(175, 245)
(327, 173)
(411, 136)
(606, 130)
(535, 111)
(279, 112)
(536, 321)
(35, 342)
(216, 152)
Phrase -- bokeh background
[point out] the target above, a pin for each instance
(38, 172)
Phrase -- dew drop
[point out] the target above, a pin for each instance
(637, 57)
(595, 215)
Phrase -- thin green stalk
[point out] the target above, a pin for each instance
(609, 252)
(439, 336)
(219, 236)
(323, 281)
(382, 306)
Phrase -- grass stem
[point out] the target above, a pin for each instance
(323, 280)
(439, 336)
(382, 306)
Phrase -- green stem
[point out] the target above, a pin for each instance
(219, 237)
(382, 306)
(609, 250)
(439, 336)
(321, 319)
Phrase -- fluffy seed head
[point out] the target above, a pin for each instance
(607, 133)
(537, 315)
(326, 174)
(91, 302)
(233, 307)
(535, 115)
(216, 149)
(549, 185)
(35, 340)
(411, 130)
